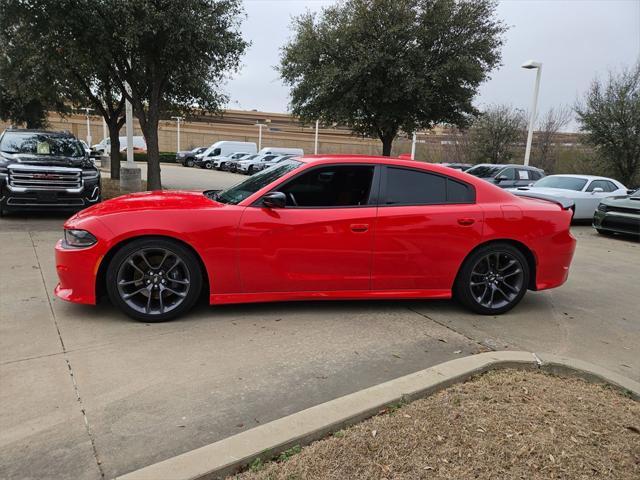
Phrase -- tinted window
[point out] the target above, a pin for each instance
(410, 187)
(334, 186)
(458, 192)
(564, 183)
(508, 173)
(485, 171)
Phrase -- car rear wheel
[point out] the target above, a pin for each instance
(493, 279)
(208, 165)
(154, 279)
(250, 171)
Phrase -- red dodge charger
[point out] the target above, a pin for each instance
(321, 227)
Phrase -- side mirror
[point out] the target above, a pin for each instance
(500, 178)
(530, 185)
(274, 200)
(630, 192)
(597, 190)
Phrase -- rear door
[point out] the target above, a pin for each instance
(427, 223)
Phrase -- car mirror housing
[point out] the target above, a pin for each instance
(597, 190)
(274, 200)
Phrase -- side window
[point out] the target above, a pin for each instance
(216, 152)
(524, 174)
(611, 187)
(458, 192)
(598, 184)
(410, 187)
(508, 173)
(334, 186)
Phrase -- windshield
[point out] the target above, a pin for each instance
(235, 195)
(485, 171)
(565, 183)
(636, 194)
(41, 144)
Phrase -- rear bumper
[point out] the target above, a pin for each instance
(77, 270)
(554, 260)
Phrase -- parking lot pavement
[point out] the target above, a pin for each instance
(86, 392)
(177, 177)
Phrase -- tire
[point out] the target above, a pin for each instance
(493, 279)
(189, 163)
(208, 165)
(606, 233)
(250, 170)
(170, 291)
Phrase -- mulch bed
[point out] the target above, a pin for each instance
(501, 425)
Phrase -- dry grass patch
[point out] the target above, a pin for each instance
(501, 425)
(111, 188)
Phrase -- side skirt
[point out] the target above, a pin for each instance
(229, 298)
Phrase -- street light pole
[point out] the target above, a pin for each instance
(129, 123)
(316, 142)
(538, 66)
(178, 119)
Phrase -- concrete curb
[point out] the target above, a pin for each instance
(229, 455)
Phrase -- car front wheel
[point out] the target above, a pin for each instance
(154, 279)
(189, 163)
(208, 165)
(493, 279)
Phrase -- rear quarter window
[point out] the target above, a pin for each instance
(412, 187)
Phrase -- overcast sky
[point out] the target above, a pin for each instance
(574, 39)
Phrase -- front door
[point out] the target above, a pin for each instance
(322, 239)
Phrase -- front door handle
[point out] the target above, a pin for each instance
(465, 222)
(359, 227)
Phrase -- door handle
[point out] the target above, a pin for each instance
(359, 227)
(465, 222)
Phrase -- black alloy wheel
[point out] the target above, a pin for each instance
(493, 279)
(154, 279)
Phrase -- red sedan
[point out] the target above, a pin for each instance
(323, 227)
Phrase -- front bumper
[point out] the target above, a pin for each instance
(44, 198)
(77, 270)
(621, 222)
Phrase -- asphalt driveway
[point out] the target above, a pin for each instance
(87, 393)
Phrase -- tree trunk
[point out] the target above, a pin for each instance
(114, 136)
(153, 153)
(387, 142)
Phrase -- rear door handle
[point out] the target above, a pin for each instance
(359, 227)
(466, 221)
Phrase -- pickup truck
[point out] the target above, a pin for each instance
(41, 170)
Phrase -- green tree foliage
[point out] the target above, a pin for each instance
(386, 66)
(610, 115)
(170, 56)
(494, 133)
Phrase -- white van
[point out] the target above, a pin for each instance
(139, 145)
(281, 151)
(225, 148)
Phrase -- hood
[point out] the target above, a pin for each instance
(48, 160)
(622, 201)
(156, 200)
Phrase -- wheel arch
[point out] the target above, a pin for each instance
(524, 249)
(101, 289)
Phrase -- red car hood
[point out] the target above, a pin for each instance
(156, 200)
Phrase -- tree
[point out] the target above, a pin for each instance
(169, 56)
(386, 66)
(53, 35)
(544, 155)
(494, 133)
(610, 115)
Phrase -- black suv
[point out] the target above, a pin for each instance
(42, 170)
(506, 175)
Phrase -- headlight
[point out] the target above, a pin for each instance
(90, 174)
(79, 238)
(602, 207)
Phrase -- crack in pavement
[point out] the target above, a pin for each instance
(66, 359)
(448, 327)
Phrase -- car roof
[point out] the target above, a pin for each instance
(586, 177)
(526, 167)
